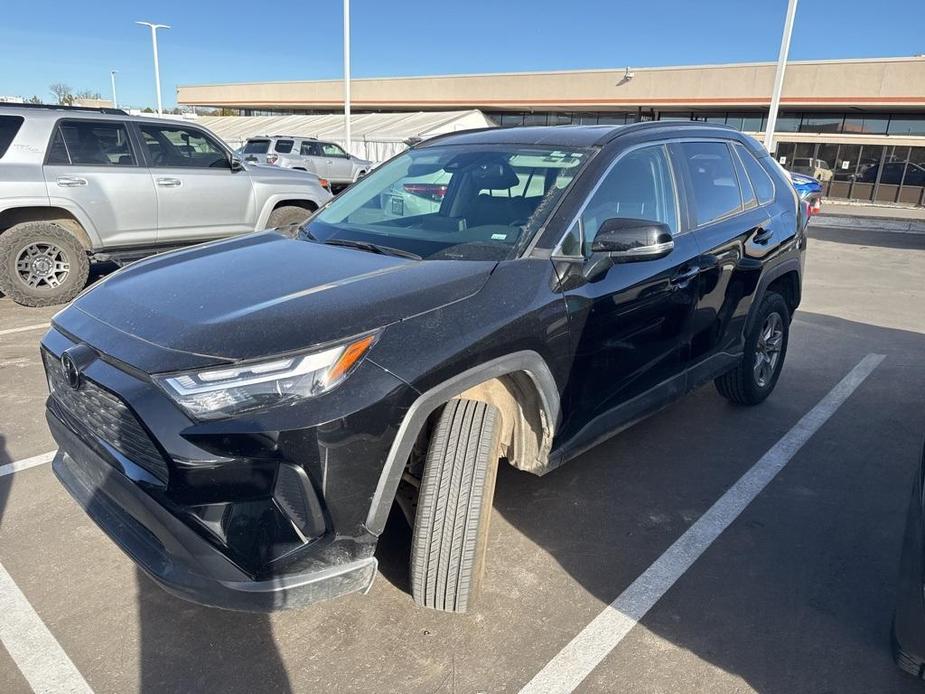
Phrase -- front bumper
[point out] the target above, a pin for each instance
(256, 513)
(171, 553)
(909, 620)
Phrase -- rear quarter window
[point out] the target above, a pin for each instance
(284, 146)
(9, 126)
(761, 181)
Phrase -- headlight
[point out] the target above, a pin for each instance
(227, 391)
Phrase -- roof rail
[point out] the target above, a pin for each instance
(62, 107)
(652, 124)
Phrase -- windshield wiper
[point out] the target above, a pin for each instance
(372, 248)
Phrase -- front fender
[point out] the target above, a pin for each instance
(525, 361)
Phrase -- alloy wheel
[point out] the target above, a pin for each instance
(42, 264)
(768, 349)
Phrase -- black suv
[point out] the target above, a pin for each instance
(240, 417)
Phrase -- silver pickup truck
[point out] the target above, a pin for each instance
(78, 185)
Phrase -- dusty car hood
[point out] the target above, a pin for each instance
(264, 294)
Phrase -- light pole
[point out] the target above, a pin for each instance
(157, 68)
(115, 99)
(779, 76)
(347, 75)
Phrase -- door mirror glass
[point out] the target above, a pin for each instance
(628, 240)
(235, 164)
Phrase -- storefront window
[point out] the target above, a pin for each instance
(871, 125)
(787, 123)
(907, 125)
(821, 123)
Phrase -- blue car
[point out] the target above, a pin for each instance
(809, 190)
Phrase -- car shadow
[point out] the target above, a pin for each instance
(188, 648)
(796, 595)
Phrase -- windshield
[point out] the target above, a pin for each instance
(474, 202)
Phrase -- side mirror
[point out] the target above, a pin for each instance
(627, 240)
(235, 164)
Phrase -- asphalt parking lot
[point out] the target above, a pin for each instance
(795, 595)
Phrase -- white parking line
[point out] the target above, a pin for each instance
(37, 653)
(574, 662)
(10, 331)
(25, 464)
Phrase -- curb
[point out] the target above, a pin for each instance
(858, 222)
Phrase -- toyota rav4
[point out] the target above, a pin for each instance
(243, 437)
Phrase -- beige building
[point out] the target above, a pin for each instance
(857, 125)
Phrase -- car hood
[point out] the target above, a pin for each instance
(279, 174)
(264, 294)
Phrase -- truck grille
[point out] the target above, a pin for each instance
(99, 414)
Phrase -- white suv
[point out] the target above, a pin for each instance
(96, 184)
(326, 159)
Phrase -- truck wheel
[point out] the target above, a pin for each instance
(454, 506)
(41, 264)
(765, 348)
(287, 216)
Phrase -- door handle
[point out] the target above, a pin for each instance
(71, 181)
(763, 235)
(683, 277)
(169, 182)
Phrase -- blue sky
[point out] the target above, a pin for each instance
(78, 43)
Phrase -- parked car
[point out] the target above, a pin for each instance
(909, 619)
(816, 168)
(809, 190)
(243, 436)
(326, 159)
(96, 184)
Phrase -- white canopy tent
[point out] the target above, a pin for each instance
(375, 136)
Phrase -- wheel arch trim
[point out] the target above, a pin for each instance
(526, 361)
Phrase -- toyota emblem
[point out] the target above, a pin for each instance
(71, 372)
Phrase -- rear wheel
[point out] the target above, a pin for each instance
(763, 358)
(454, 506)
(41, 264)
(286, 218)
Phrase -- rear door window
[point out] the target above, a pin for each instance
(761, 182)
(9, 126)
(711, 174)
(91, 143)
(284, 146)
(309, 149)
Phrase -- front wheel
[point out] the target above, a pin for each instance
(286, 218)
(763, 358)
(41, 264)
(454, 506)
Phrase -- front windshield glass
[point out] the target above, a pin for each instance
(472, 202)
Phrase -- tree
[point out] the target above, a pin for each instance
(88, 94)
(63, 93)
(33, 100)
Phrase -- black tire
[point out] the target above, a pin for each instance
(286, 218)
(59, 247)
(454, 506)
(743, 385)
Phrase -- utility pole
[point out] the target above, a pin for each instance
(157, 68)
(769, 143)
(115, 99)
(347, 75)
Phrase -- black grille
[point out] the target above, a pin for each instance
(102, 415)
